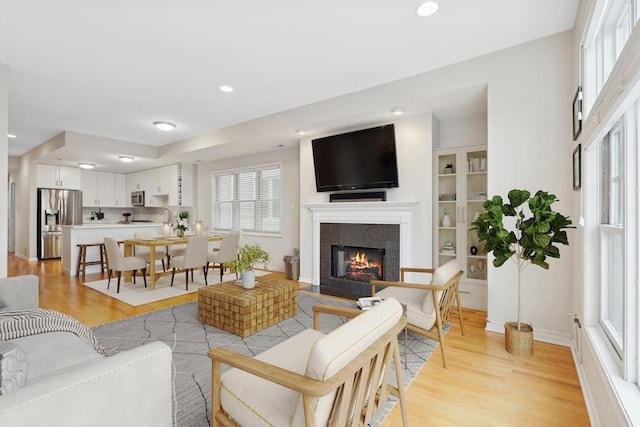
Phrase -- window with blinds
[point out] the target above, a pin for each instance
(248, 199)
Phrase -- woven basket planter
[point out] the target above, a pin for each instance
(518, 342)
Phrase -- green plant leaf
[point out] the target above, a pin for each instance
(518, 197)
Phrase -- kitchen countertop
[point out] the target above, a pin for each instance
(116, 225)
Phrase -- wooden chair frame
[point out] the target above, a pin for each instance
(450, 296)
(368, 371)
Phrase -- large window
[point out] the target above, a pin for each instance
(603, 44)
(248, 199)
(612, 234)
(610, 76)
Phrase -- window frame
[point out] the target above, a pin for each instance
(237, 216)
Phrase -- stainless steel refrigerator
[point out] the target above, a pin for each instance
(55, 209)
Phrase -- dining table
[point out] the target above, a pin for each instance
(152, 244)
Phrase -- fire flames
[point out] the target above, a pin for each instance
(359, 264)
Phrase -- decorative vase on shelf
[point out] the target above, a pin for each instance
(446, 221)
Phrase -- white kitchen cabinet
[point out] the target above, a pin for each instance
(170, 185)
(461, 190)
(98, 189)
(122, 197)
(51, 176)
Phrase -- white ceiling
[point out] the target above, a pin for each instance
(111, 68)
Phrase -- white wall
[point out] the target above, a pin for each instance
(414, 155)
(278, 246)
(529, 141)
(4, 166)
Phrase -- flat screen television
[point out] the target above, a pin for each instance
(356, 160)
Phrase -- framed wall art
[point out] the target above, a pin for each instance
(577, 113)
(577, 167)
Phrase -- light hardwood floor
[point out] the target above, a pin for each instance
(482, 386)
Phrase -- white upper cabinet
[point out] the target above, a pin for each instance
(122, 198)
(50, 176)
(164, 186)
(103, 189)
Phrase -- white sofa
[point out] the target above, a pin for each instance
(70, 384)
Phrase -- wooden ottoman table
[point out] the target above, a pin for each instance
(243, 312)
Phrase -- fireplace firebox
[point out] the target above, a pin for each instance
(357, 263)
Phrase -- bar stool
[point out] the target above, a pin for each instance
(82, 258)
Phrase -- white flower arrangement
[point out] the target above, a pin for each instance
(181, 222)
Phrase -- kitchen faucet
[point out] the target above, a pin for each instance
(168, 215)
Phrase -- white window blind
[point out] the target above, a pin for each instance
(248, 199)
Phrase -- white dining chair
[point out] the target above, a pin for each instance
(195, 256)
(116, 261)
(143, 251)
(227, 252)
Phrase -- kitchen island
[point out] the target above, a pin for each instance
(72, 235)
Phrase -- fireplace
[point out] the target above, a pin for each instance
(357, 263)
(351, 255)
(384, 225)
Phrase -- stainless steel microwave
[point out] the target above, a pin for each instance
(137, 198)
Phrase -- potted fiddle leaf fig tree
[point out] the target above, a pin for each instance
(529, 240)
(248, 257)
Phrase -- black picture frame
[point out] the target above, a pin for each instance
(577, 167)
(577, 113)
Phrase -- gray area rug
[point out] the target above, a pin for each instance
(190, 340)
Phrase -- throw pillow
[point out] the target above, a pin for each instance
(13, 367)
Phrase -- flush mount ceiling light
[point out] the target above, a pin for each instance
(301, 132)
(11, 136)
(398, 110)
(86, 165)
(427, 8)
(164, 126)
(226, 88)
(126, 159)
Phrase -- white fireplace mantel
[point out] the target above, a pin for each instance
(400, 213)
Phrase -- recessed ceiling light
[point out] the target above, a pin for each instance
(164, 126)
(428, 8)
(226, 88)
(126, 159)
(398, 110)
(86, 165)
(11, 136)
(301, 132)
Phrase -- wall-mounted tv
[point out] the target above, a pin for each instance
(356, 160)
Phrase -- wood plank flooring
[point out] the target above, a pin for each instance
(482, 386)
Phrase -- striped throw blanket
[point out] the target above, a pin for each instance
(25, 322)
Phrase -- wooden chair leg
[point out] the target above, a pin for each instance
(109, 281)
(204, 271)
(101, 258)
(173, 273)
(221, 271)
(163, 269)
(80, 248)
(186, 278)
(119, 275)
(144, 276)
(133, 274)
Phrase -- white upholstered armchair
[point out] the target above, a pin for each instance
(312, 378)
(423, 315)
